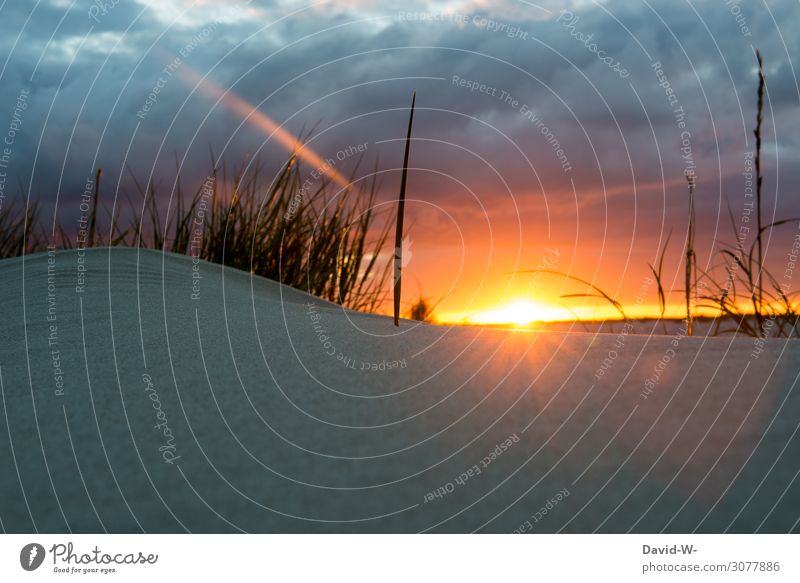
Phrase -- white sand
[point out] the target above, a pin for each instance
(271, 433)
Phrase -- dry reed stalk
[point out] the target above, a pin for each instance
(398, 234)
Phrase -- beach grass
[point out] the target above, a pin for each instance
(773, 310)
(324, 239)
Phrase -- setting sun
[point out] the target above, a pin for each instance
(517, 313)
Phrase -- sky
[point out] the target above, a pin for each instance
(547, 136)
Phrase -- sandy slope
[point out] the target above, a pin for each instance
(248, 409)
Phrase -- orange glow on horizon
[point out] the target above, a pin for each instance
(521, 313)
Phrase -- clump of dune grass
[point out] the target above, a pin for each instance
(422, 309)
(773, 310)
(324, 240)
(772, 306)
(20, 232)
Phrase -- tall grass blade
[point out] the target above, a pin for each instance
(93, 222)
(759, 179)
(401, 207)
(690, 256)
(600, 293)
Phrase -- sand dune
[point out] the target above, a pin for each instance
(163, 395)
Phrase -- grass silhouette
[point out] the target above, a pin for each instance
(324, 240)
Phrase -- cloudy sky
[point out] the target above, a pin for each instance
(544, 127)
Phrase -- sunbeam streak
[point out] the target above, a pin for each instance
(258, 119)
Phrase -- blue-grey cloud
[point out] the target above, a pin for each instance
(538, 88)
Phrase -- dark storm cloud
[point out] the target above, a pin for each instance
(619, 133)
